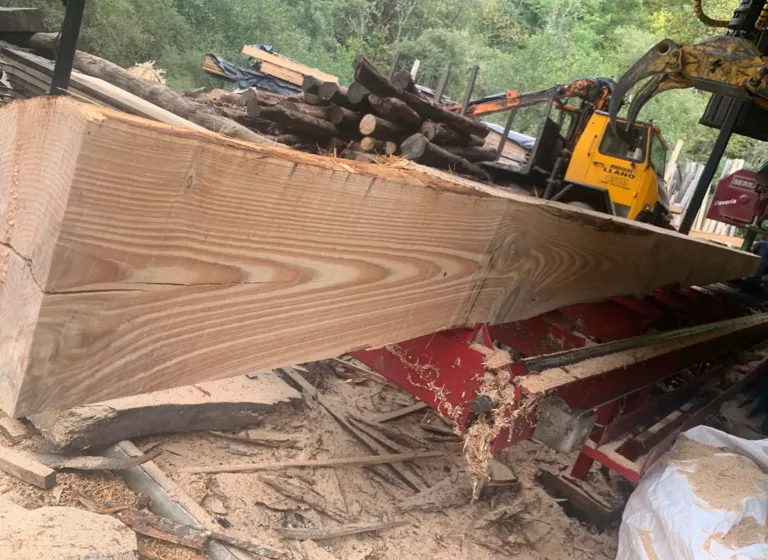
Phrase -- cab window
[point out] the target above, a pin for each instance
(634, 150)
(658, 154)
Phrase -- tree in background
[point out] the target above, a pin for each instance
(523, 45)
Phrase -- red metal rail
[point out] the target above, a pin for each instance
(446, 370)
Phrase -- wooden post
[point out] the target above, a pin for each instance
(415, 69)
(673, 161)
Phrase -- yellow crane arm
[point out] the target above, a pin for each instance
(725, 65)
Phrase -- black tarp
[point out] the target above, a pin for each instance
(249, 78)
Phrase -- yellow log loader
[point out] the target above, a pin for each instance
(578, 158)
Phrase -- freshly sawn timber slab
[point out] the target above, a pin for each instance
(136, 256)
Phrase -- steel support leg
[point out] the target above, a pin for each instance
(584, 462)
(711, 167)
(469, 90)
(65, 56)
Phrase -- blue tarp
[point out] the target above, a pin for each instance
(524, 140)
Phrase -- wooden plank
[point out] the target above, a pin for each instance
(290, 76)
(102, 90)
(26, 469)
(166, 257)
(264, 56)
(673, 161)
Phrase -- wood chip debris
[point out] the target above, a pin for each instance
(338, 532)
(151, 525)
(342, 462)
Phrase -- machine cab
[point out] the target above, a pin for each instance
(629, 169)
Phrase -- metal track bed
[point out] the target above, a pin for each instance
(629, 374)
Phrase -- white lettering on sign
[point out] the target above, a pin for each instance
(739, 182)
(724, 202)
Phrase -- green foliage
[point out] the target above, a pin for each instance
(523, 45)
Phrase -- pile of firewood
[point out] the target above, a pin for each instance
(372, 117)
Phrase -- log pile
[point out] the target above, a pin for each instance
(372, 117)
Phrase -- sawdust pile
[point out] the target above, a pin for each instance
(719, 478)
(745, 533)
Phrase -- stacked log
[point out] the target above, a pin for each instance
(372, 117)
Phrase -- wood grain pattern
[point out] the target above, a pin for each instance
(135, 256)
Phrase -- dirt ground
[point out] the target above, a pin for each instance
(534, 525)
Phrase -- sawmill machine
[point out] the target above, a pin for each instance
(741, 200)
(578, 159)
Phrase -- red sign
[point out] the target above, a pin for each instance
(737, 199)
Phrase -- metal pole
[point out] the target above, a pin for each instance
(442, 83)
(65, 56)
(470, 88)
(507, 128)
(711, 166)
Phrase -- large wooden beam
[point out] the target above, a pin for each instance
(137, 256)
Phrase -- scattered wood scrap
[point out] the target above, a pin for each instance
(167, 498)
(591, 508)
(448, 493)
(263, 440)
(405, 473)
(344, 462)
(25, 468)
(303, 493)
(151, 525)
(338, 532)
(90, 462)
(400, 412)
(12, 429)
(391, 433)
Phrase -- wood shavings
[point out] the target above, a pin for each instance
(720, 480)
(495, 358)
(481, 435)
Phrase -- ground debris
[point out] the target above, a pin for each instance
(265, 440)
(338, 532)
(448, 493)
(151, 525)
(62, 533)
(439, 533)
(303, 493)
(91, 462)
